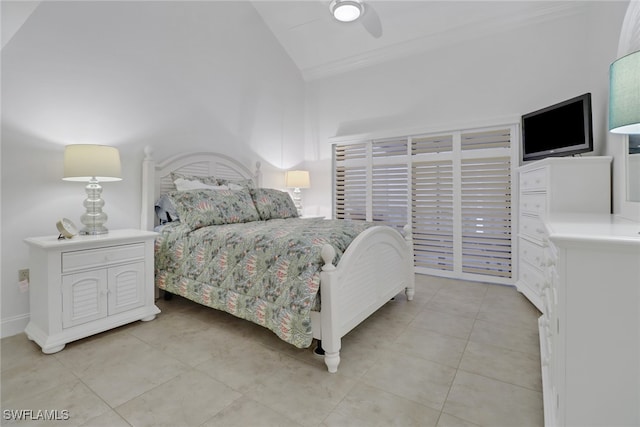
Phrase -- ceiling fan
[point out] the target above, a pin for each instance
(352, 10)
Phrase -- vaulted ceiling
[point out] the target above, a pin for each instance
(321, 46)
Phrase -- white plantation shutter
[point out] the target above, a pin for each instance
(453, 188)
(432, 214)
(389, 182)
(389, 195)
(486, 216)
(350, 181)
(486, 202)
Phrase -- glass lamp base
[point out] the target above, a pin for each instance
(94, 231)
(93, 219)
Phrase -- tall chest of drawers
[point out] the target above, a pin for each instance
(549, 186)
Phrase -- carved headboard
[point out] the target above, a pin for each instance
(156, 177)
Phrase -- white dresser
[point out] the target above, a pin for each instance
(590, 329)
(88, 284)
(550, 186)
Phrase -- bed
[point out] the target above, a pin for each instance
(343, 270)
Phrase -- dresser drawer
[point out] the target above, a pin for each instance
(534, 180)
(532, 253)
(534, 203)
(532, 277)
(533, 227)
(83, 260)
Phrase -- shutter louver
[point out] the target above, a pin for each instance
(431, 144)
(351, 181)
(389, 148)
(500, 138)
(389, 194)
(432, 214)
(486, 216)
(351, 193)
(350, 152)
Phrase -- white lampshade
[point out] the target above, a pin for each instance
(346, 10)
(624, 95)
(85, 161)
(297, 179)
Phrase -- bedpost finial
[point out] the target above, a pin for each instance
(258, 164)
(148, 151)
(328, 254)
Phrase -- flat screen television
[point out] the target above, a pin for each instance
(561, 129)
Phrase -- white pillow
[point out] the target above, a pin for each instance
(185, 184)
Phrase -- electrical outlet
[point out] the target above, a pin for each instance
(23, 275)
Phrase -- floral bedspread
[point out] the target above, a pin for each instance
(267, 272)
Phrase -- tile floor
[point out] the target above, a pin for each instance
(460, 354)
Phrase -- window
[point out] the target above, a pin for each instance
(453, 189)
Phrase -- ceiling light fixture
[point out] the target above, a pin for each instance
(346, 10)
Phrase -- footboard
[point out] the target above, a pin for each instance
(376, 266)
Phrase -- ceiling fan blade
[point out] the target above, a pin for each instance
(371, 21)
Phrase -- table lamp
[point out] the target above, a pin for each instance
(297, 180)
(92, 164)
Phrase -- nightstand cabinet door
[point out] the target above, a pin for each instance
(126, 287)
(84, 297)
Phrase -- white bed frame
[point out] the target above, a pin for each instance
(376, 266)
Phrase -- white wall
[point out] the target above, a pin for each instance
(172, 75)
(488, 78)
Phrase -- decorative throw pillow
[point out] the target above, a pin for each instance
(200, 208)
(272, 204)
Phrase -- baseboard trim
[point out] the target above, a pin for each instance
(13, 325)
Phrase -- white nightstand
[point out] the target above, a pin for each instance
(89, 284)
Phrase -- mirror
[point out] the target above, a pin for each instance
(633, 168)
